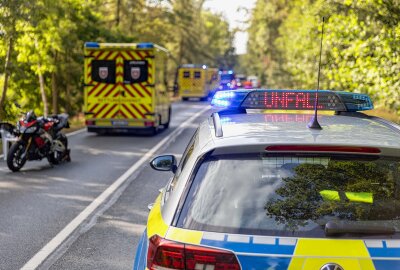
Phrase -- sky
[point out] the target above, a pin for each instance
(235, 17)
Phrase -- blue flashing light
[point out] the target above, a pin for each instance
(145, 45)
(92, 45)
(229, 99)
(230, 72)
(226, 120)
(356, 102)
(204, 66)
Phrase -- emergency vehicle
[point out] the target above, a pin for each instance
(125, 87)
(261, 189)
(228, 80)
(197, 81)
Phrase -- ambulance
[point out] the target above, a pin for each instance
(125, 87)
(197, 81)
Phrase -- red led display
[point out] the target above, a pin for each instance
(284, 100)
(292, 100)
(277, 118)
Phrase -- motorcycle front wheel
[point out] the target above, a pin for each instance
(16, 157)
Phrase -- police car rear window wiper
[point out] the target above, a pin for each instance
(334, 228)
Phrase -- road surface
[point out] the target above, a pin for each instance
(90, 213)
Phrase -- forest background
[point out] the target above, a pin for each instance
(41, 45)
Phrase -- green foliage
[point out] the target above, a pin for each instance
(49, 36)
(360, 49)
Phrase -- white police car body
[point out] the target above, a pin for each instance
(264, 191)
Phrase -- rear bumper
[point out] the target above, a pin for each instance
(99, 129)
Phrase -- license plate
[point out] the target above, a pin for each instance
(119, 123)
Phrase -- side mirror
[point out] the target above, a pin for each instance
(164, 163)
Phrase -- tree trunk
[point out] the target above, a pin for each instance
(68, 99)
(117, 17)
(43, 92)
(41, 84)
(54, 88)
(6, 77)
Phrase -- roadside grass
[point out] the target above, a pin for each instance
(386, 114)
(75, 123)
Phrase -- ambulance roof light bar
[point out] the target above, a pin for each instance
(143, 45)
(92, 45)
(269, 99)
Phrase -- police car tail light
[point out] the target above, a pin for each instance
(165, 254)
(323, 148)
(209, 259)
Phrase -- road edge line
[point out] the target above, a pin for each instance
(56, 241)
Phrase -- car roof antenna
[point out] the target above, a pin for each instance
(314, 120)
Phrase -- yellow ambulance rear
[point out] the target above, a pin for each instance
(125, 87)
(197, 81)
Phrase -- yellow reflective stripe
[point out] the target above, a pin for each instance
(366, 197)
(185, 236)
(314, 253)
(151, 67)
(119, 71)
(329, 195)
(155, 222)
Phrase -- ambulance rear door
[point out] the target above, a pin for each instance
(137, 106)
(101, 87)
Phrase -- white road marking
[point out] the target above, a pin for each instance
(75, 132)
(54, 243)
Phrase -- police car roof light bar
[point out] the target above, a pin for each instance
(237, 101)
(314, 124)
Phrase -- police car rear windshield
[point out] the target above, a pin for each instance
(292, 194)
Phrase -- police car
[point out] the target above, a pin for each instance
(258, 189)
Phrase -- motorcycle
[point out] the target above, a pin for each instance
(38, 138)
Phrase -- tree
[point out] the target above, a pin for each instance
(13, 11)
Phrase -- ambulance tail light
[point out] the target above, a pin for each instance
(323, 148)
(148, 124)
(90, 122)
(166, 254)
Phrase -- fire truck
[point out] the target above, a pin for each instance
(125, 87)
(197, 81)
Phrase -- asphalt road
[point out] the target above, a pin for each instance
(38, 203)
